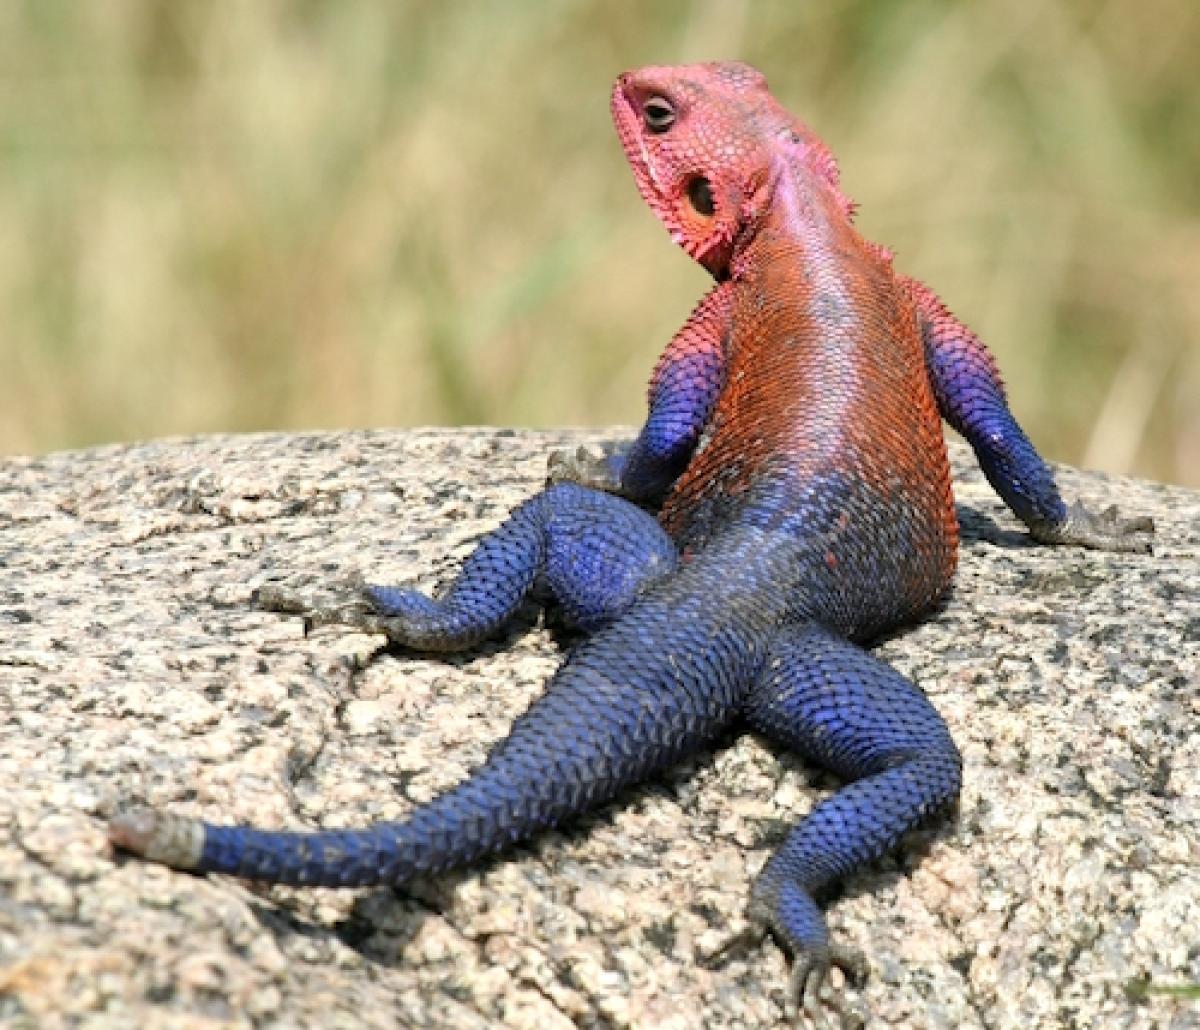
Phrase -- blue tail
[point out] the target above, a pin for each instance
(639, 696)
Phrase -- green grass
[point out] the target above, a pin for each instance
(281, 214)
(1142, 990)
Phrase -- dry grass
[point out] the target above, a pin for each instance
(265, 213)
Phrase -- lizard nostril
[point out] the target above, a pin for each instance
(700, 194)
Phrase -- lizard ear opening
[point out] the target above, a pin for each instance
(700, 196)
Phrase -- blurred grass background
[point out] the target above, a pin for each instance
(286, 213)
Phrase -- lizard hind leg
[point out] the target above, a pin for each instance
(602, 553)
(596, 554)
(851, 713)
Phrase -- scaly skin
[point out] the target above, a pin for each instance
(794, 451)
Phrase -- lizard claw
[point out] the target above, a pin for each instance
(273, 598)
(1106, 531)
(810, 973)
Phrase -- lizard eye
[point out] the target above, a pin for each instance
(658, 114)
(700, 195)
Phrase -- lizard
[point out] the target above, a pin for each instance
(787, 500)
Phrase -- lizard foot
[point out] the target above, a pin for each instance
(811, 966)
(360, 612)
(407, 617)
(587, 466)
(1106, 531)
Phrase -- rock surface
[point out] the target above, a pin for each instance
(133, 667)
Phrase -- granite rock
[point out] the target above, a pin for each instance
(134, 668)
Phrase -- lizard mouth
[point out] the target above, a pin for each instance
(625, 119)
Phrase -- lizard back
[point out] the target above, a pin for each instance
(826, 427)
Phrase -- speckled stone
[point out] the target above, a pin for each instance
(133, 667)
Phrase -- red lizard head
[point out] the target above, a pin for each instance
(704, 141)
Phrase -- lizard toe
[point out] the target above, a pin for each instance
(1107, 530)
(736, 945)
(361, 610)
(810, 977)
(586, 466)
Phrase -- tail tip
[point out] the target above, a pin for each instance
(158, 836)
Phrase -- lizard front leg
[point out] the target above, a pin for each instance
(970, 396)
(594, 552)
(683, 390)
(851, 713)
